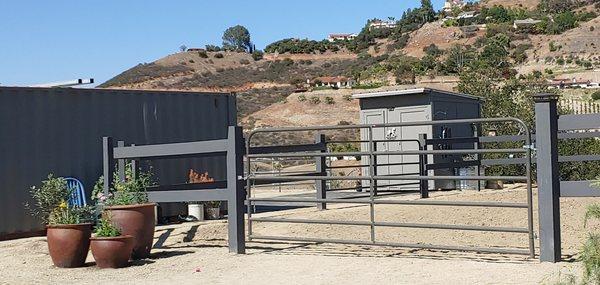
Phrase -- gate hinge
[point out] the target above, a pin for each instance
(531, 147)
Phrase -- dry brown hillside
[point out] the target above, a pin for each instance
(527, 4)
(442, 37)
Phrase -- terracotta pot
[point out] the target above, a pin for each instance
(213, 213)
(138, 222)
(112, 252)
(69, 244)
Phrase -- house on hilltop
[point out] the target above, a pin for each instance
(341, 37)
(450, 4)
(379, 24)
(332, 81)
(527, 23)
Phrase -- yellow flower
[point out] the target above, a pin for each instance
(63, 205)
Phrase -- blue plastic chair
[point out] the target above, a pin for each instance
(77, 192)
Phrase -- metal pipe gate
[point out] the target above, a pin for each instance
(279, 152)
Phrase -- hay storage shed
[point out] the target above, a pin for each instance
(412, 105)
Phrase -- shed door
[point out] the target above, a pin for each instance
(406, 164)
(373, 117)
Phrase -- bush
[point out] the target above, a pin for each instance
(329, 100)
(219, 55)
(244, 61)
(202, 54)
(302, 98)
(212, 48)
(347, 97)
(344, 123)
(596, 95)
(257, 55)
(315, 100)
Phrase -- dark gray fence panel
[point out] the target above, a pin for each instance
(578, 122)
(60, 130)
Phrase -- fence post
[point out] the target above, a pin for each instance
(321, 169)
(546, 125)
(423, 184)
(108, 163)
(134, 168)
(235, 187)
(121, 164)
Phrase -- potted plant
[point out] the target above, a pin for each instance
(128, 206)
(213, 210)
(68, 227)
(109, 247)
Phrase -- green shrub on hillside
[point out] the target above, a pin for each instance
(257, 55)
(219, 55)
(315, 100)
(302, 98)
(202, 54)
(329, 100)
(596, 95)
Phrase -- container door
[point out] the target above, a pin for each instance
(404, 139)
(374, 117)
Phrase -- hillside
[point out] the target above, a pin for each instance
(432, 53)
(526, 4)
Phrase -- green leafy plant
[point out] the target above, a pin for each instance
(106, 228)
(302, 98)
(131, 191)
(51, 203)
(212, 204)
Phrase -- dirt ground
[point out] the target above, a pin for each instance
(193, 253)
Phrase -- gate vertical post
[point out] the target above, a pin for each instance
(108, 163)
(423, 184)
(321, 169)
(121, 164)
(235, 187)
(546, 124)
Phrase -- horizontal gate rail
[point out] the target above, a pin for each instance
(395, 225)
(392, 244)
(406, 152)
(413, 177)
(396, 202)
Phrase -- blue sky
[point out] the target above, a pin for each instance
(48, 41)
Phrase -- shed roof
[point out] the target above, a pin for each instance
(415, 91)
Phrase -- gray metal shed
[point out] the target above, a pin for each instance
(412, 105)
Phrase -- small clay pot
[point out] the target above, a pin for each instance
(112, 252)
(69, 244)
(138, 222)
(213, 213)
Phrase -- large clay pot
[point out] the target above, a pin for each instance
(112, 252)
(69, 244)
(138, 222)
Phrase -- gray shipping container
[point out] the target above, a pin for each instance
(412, 105)
(60, 130)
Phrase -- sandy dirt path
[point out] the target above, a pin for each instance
(194, 253)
